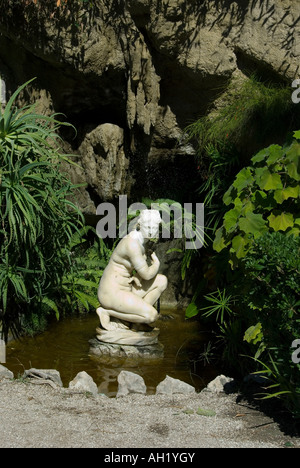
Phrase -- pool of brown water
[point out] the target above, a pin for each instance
(65, 347)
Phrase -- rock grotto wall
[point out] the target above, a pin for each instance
(130, 75)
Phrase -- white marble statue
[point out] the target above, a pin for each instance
(130, 287)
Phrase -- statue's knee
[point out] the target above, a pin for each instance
(163, 282)
(150, 315)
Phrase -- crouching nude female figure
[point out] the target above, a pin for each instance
(128, 299)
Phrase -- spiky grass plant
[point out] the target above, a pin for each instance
(37, 218)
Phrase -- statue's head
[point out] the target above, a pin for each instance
(148, 223)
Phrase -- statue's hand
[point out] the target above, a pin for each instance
(135, 280)
(155, 259)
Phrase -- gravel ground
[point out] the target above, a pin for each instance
(39, 416)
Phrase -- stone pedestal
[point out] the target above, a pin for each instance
(128, 337)
(116, 350)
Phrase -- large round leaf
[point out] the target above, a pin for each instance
(269, 181)
(253, 223)
(281, 222)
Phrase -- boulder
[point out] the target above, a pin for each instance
(103, 158)
(50, 376)
(130, 382)
(83, 382)
(5, 373)
(221, 384)
(170, 386)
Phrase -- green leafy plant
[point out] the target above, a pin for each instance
(80, 284)
(262, 200)
(271, 299)
(37, 218)
(254, 334)
(245, 114)
(265, 197)
(221, 310)
(221, 304)
(222, 161)
(278, 385)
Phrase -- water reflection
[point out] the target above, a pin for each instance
(65, 347)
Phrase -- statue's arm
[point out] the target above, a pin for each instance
(139, 263)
